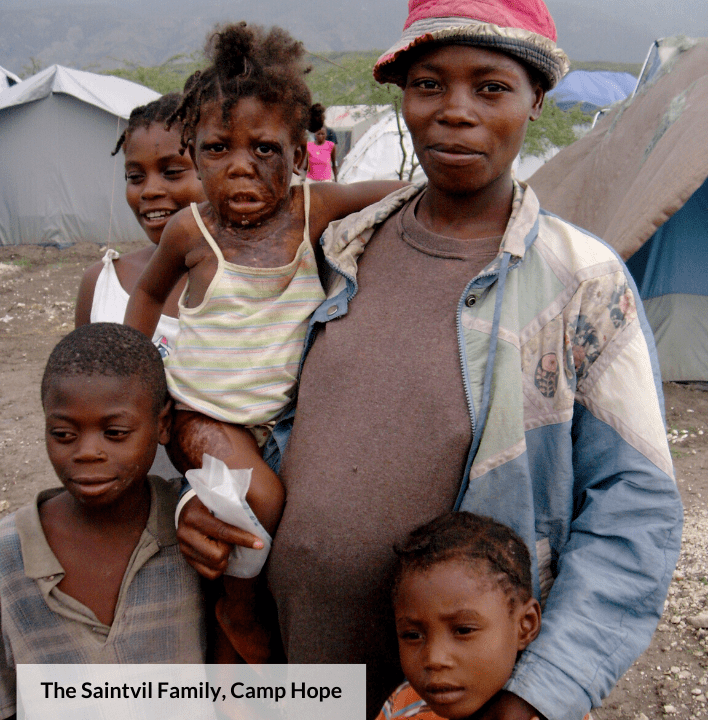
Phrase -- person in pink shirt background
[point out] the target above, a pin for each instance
(322, 157)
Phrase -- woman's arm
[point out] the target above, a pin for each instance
(334, 161)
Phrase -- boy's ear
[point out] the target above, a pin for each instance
(537, 106)
(193, 155)
(164, 423)
(529, 618)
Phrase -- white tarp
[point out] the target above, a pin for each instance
(112, 94)
(378, 154)
(7, 78)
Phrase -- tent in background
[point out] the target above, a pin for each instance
(592, 90)
(60, 183)
(350, 122)
(378, 154)
(638, 180)
(7, 78)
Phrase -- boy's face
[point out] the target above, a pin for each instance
(458, 635)
(467, 110)
(102, 434)
(245, 166)
(159, 181)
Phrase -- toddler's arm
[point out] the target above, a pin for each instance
(332, 201)
(160, 276)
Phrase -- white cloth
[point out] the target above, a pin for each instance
(110, 301)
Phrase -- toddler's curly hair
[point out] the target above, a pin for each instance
(481, 541)
(249, 61)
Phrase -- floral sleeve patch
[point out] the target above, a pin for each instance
(546, 375)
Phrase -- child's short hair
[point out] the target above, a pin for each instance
(157, 111)
(468, 537)
(108, 349)
(249, 61)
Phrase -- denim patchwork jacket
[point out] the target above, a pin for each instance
(569, 448)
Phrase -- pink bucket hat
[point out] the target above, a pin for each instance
(522, 28)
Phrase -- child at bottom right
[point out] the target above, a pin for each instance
(464, 609)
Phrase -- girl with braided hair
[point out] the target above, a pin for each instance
(160, 180)
(251, 257)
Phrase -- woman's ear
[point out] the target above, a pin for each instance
(537, 107)
(529, 623)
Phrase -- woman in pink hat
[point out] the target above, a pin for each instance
(480, 354)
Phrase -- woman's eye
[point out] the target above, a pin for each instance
(425, 84)
(493, 87)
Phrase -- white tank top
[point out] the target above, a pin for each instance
(110, 301)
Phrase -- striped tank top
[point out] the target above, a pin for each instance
(237, 354)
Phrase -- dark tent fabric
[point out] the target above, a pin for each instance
(626, 182)
(592, 90)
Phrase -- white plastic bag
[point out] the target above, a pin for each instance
(223, 491)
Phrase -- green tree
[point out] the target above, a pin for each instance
(346, 79)
(555, 127)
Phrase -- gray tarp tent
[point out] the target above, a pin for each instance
(7, 78)
(638, 180)
(59, 183)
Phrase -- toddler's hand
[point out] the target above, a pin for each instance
(206, 542)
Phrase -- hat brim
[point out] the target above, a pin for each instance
(538, 51)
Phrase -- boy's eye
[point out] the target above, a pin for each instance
(116, 433)
(62, 435)
(464, 630)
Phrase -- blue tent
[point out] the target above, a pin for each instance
(592, 90)
(671, 272)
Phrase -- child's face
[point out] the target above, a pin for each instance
(102, 433)
(320, 136)
(159, 180)
(458, 636)
(245, 166)
(467, 110)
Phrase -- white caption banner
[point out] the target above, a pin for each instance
(191, 692)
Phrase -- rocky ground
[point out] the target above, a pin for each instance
(37, 293)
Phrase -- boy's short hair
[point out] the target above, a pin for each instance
(108, 349)
(471, 538)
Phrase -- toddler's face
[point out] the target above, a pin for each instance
(467, 110)
(245, 166)
(159, 181)
(101, 434)
(458, 636)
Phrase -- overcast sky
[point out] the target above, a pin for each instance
(618, 30)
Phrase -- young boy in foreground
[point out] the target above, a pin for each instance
(91, 573)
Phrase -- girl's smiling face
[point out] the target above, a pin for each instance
(467, 110)
(459, 634)
(246, 165)
(159, 181)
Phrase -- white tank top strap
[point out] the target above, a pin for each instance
(206, 233)
(109, 257)
(306, 194)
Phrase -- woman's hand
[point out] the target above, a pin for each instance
(206, 542)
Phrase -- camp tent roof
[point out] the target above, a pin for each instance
(592, 90)
(7, 78)
(112, 94)
(60, 183)
(642, 161)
